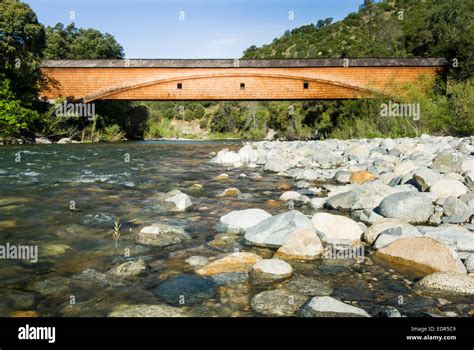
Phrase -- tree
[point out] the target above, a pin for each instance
(80, 43)
(22, 40)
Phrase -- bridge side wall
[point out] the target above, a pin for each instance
(225, 83)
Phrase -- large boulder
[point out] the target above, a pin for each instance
(448, 282)
(235, 262)
(331, 226)
(421, 254)
(239, 221)
(301, 245)
(275, 231)
(326, 306)
(414, 207)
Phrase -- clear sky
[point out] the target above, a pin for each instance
(210, 28)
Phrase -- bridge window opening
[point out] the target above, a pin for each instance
(305, 85)
(242, 86)
(180, 86)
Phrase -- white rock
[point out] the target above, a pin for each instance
(444, 188)
(182, 201)
(240, 220)
(301, 245)
(273, 269)
(329, 307)
(331, 226)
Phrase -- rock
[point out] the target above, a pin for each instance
(226, 157)
(445, 187)
(405, 167)
(388, 236)
(456, 211)
(274, 231)
(469, 179)
(248, 155)
(367, 196)
(181, 201)
(331, 226)
(421, 254)
(386, 226)
(467, 165)
(197, 261)
(360, 177)
(28, 313)
(64, 140)
(310, 286)
(235, 262)
(271, 269)
(293, 196)
(239, 221)
(230, 192)
(469, 263)
(278, 302)
(447, 162)
(389, 311)
(222, 177)
(326, 306)
(283, 186)
(145, 310)
(302, 184)
(343, 176)
(301, 245)
(196, 187)
(54, 249)
(358, 151)
(413, 207)
(129, 269)
(425, 178)
(274, 204)
(270, 135)
(448, 282)
(185, 289)
(42, 141)
(276, 164)
(230, 278)
(317, 203)
(456, 236)
(161, 235)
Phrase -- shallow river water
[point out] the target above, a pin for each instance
(64, 200)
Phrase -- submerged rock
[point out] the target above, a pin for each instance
(129, 269)
(161, 235)
(278, 302)
(309, 285)
(185, 289)
(146, 310)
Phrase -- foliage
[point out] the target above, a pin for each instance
(112, 133)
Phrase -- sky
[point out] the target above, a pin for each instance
(190, 28)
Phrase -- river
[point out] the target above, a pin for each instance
(64, 200)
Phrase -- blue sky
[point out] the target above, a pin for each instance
(210, 29)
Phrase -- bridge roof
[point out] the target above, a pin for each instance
(242, 63)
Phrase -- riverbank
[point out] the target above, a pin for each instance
(267, 228)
